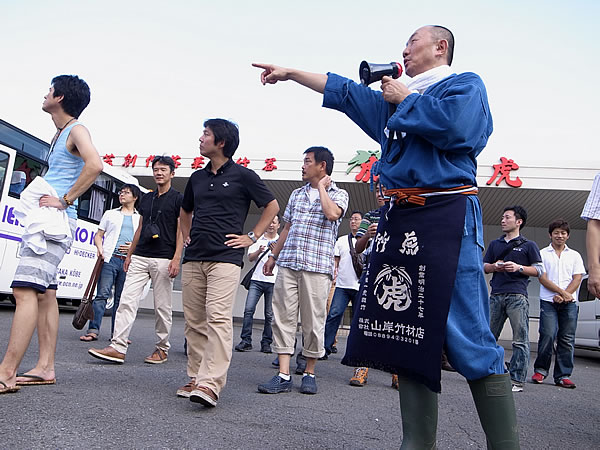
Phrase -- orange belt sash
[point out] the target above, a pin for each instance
(418, 196)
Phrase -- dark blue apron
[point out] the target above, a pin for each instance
(399, 323)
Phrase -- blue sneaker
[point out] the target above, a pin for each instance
(275, 385)
(309, 385)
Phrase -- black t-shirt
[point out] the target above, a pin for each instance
(159, 213)
(526, 254)
(220, 204)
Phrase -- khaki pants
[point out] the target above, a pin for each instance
(307, 292)
(209, 290)
(140, 271)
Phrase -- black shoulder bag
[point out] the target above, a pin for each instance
(248, 277)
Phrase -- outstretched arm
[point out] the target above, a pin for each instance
(272, 74)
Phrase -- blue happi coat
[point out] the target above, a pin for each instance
(444, 129)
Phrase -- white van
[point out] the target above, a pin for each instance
(587, 335)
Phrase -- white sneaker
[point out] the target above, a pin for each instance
(517, 387)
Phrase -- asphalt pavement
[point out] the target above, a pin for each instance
(102, 405)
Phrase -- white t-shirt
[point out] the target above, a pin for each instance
(313, 194)
(560, 270)
(346, 277)
(258, 274)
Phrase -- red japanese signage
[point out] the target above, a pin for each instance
(364, 160)
(502, 172)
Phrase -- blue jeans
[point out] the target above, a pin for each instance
(516, 308)
(339, 303)
(258, 288)
(558, 321)
(112, 274)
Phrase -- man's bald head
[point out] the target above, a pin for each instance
(439, 33)
(428, 47)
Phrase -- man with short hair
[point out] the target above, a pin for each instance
(591, 213)
(305, 256)
(430, 133)
(113, 238)
(214, 209)
(559, 285)
(260, 285)
(512, 259)
(73, 166)
(346, 283)
(154, 254)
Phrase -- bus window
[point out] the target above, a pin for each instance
(3, 168)
(103, 195)
(24, 172)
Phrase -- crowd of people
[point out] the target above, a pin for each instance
(413, 265)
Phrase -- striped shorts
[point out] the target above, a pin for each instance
(39, 271)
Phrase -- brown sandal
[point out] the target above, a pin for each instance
(89, 337)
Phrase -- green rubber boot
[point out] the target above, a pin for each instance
(496, 408)
(419, 409)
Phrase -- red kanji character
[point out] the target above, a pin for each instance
(108, 159)
(365, 170)
(243, 162)
(129, 160)
(149, 159)
(176, 158)
(269, 166)
(198, 162)
(503, 169)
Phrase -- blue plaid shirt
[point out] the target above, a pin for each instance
(311, 239)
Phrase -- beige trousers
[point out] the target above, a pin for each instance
(307, 292)
(209, 290)
(140, 271)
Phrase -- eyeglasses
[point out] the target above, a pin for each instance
(123, 192)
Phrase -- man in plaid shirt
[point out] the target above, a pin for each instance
(591, 213)
(305, 256)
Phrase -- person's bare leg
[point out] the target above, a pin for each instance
(47, 329)
(284, 363)
(21, 331)
(310, 365)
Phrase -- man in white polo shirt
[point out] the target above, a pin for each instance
(346, 284)
(564, 269)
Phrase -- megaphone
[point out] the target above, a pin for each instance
(369, 73)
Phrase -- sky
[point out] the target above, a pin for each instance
(158, 69)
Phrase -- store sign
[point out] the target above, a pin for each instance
(502, 173)
(364, 161)
(198, 162)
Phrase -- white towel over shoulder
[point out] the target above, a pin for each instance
(41, 224)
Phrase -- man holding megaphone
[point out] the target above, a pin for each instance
(424, 290)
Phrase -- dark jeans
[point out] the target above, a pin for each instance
(112, 274)
(258, 288)
(339, 303)
(558, 321)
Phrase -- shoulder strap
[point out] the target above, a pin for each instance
(514, 244)
(261, 257)
(89, 292)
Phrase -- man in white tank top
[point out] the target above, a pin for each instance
(35, 284)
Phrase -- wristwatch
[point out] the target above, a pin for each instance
(521, 269)
(252, 236)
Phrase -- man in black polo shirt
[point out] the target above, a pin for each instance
(513, 259)
(213, 212)
(155, 254)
